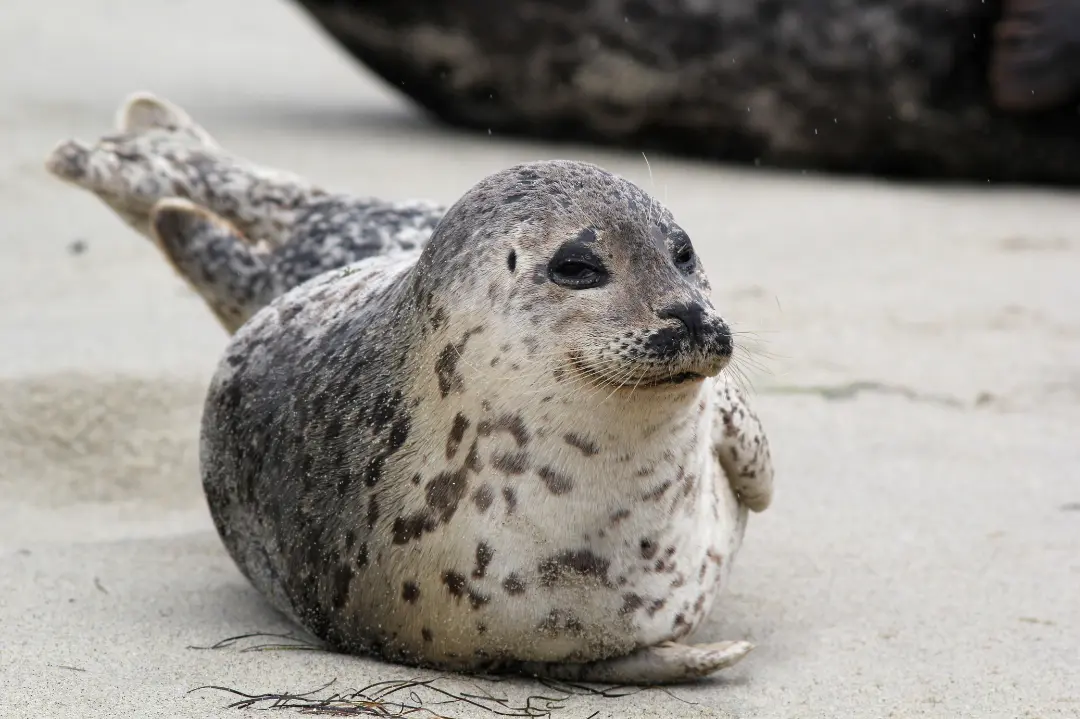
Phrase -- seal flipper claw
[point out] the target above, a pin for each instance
(230, 273)
(1035, 61)
(667, 663)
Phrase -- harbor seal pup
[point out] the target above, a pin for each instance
(964, 89)
(512, 447)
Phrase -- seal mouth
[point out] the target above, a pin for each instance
(654, 379)
(675, 379)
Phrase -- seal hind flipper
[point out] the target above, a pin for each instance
(233, 275)
(666, 663)
(143, 111)
(160, 152)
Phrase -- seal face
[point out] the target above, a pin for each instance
(512, 448)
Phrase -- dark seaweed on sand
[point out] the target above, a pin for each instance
(411, 697)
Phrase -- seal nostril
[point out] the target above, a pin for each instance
(692, 316)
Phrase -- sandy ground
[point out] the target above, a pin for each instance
(918, 367)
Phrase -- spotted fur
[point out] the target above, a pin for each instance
(381, 482)
(893, 87)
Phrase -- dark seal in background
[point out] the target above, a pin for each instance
(929, 89)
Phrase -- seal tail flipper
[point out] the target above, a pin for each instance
(668, 663)
(233, 275)
(160, 152)
(1035, 60)
(143, 111)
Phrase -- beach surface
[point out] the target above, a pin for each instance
(914, 353)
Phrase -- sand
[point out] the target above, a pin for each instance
(915, 353)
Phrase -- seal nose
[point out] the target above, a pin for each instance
(692, 316)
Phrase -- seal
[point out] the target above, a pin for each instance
(952, 89)
(508, 446)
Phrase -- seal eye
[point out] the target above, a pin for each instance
(576, 274)
(576, 267)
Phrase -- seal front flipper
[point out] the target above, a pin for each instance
(741, 447)
(667, 663)
(233, 275)
(1035, 60)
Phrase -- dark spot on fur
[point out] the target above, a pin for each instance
(457, 433)
(481, 628)
(631, 603)
(513, 584)
(372, 511)
(656, 606)
(619, 516)
(655, 494)
(450, 380)
(410, 592)
(407, 529)
(472, 459)
(484, 554)
(511, 499)
(680, 625)
(416, 478)
(426, 634)
(648, 549)
(455, 583)
(586, 447)
(362, 556)
(580, 562)
(477, 600)
(558, 373)
(350, 540)
(445, 491)
(511, 463)
(483, 497)
(342, 580)
(399, 432)
(561, 621)
(511, 260)
(438, 318)
(556, 483)
(446, 371)
(510, 423)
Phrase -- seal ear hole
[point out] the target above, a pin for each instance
(511, 260)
